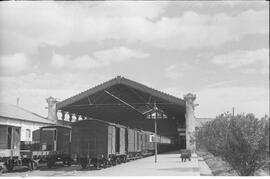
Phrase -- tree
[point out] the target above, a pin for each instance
(242, 141)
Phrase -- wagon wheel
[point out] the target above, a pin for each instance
(10, 165)
(83, 164)
(97, 165)
(118, 160)
(1, 170)
(69, 162)
(113, 161)
(105, 163)
(65, 161)
(50, 163)
(30, 165)
(108, 163)
(35, 165)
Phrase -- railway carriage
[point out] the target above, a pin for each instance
(102, 144)
(93, 142)
(148, 146)
(97, 142)
(132, 150)
(54, 144)
(10, 153)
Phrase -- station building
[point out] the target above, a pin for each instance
(27, 121)
(126, 102)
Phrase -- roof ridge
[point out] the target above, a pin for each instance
(13, 111)
(26, 110)
(124, 81)
(91, 88)
(152, 88)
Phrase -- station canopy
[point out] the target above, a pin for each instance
(123, 101)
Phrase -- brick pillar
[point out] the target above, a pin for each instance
(52, 113)
(190, 121)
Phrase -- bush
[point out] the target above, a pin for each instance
(242, 141)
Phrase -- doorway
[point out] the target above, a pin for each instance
(117, 140)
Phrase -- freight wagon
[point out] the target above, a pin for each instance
(148, 145)
(97, 142)
(54, 145)
(100, 143)
(10, 153)
(94, 142)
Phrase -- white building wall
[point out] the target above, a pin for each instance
(25, 125)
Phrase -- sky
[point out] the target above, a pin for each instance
(216, 50)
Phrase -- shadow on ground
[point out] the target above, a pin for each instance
(17, 170)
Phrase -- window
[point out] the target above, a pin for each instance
(28, 133)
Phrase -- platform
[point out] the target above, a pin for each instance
(167, 165)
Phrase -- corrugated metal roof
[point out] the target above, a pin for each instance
(125, 81)
(17, 112)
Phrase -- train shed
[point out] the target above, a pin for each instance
(126, 102)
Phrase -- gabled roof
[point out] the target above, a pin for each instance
(19, 113)
(124, 81)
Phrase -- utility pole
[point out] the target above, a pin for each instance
(156, 138)
(233, 111)
(155, 111)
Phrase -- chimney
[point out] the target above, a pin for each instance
(52, 113)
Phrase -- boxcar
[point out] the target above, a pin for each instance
(164, 144)
(97, 142)
(148, 146)
(131, 143)
(100, 143)
(135, 144)
(10, 152)
(54, 144)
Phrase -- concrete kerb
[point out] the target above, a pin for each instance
(204, 168)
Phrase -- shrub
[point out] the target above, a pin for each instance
(242, 141)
